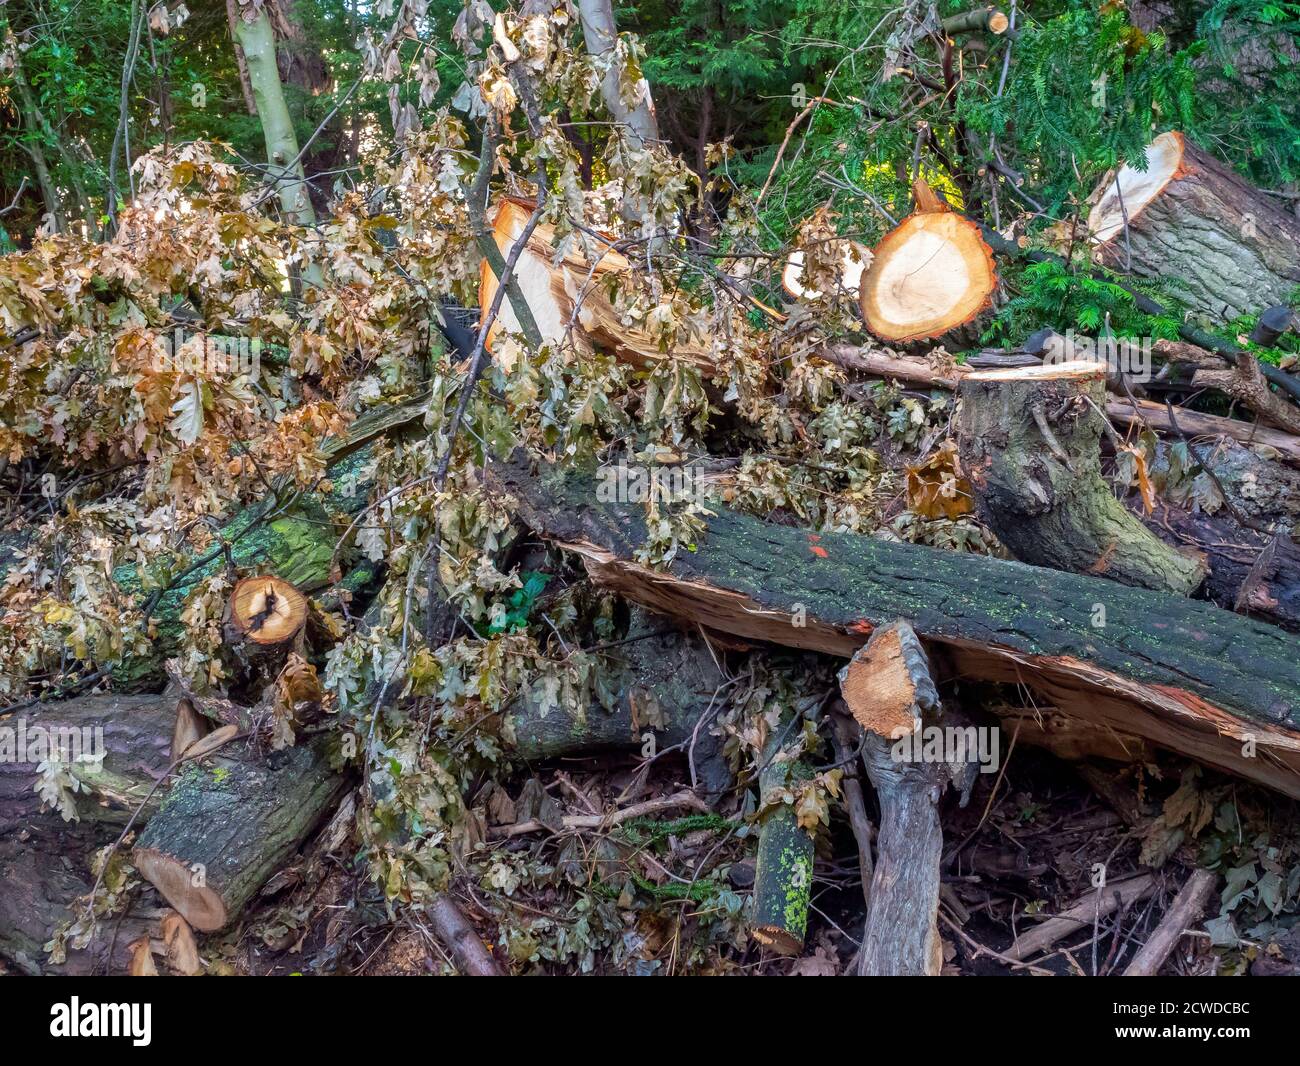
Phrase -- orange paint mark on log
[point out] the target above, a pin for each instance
(862, 626)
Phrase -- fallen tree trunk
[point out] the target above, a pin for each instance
(1030, 444)
(1234, 249)
(1152, 665)
(45, 873)
(132, 734)
(219, 835)
(1253, 572)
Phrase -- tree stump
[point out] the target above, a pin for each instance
(888, 689)
(1029, 440)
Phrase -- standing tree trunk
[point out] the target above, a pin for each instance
(254, 34)
(600, 32)
(638, 120)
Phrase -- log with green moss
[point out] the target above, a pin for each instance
(294, 538)
(783, 870)
(228, 824)
(1183, 674)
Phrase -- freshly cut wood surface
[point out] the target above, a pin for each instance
(1234, 249)
(267, 610)
(857, 257)
(929, 275)
(553, 288)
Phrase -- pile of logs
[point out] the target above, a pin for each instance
(1148, 624)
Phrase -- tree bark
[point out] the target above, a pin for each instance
(1147, 663)
(224, 829)
(135, 732)
(44, 874)
(666, 698)
(888, 688)
(784, 867)
(1030, 445)
(1189, 217)
(284, 167)
(600, 33)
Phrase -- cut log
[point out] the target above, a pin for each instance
(784, 867)
(929, 275)
(1273, 322)
(266, 611)
(1183, 674)
(132, 733)
(888, 688)
(978, 20)
(553, 290)
(1030, 445)
(44, 874)
(857, 257)
(221, 832)
(1233, 249)
(298, 545)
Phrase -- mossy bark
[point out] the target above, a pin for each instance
(1031, 448)
(297, 546)
(1182, 673)
(784, 867)
(226, 827)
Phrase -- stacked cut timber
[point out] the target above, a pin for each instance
(1187, 216)
(553, 289)
(1182, 674)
